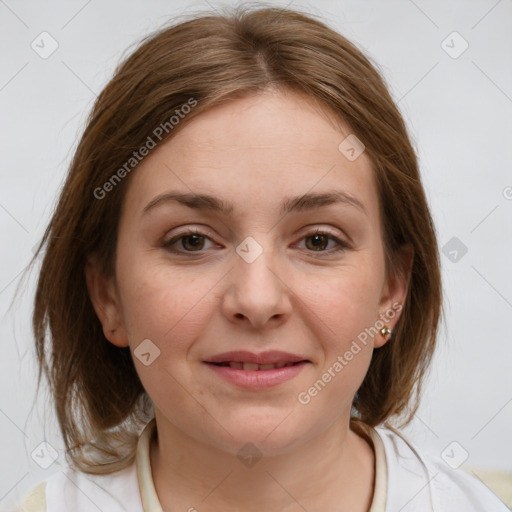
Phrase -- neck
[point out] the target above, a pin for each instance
(332, 471)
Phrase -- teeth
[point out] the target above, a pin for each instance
(251, 366)
(254, 366)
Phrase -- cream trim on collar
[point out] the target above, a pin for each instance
(149, 498)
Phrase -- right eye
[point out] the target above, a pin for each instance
(190, 241)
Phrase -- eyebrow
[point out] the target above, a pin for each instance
(302, 203)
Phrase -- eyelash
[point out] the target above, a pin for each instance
(342, 246)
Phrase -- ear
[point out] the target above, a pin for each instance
(394, 291)
(105, 300)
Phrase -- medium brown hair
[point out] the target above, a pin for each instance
(211, 58)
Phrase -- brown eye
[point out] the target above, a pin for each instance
(319, 241)
(192, 242)
(187, 242)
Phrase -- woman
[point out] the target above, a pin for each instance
(241, 283)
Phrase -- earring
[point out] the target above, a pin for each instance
(386, 332)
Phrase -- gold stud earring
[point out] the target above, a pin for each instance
(386, 332)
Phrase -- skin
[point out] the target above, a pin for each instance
(252, 152)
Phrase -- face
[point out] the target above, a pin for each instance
(280, 262)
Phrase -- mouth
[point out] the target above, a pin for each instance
(250, 361)
(256, 371)
(242, 365)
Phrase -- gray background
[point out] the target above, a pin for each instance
(458, 108)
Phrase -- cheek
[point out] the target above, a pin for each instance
(346, 302)
(161, 304)
(169, 309)
(348, 309)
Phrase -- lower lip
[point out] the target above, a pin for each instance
(257, 379)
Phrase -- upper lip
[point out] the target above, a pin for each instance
(268, 357)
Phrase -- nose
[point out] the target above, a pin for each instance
(257, 295)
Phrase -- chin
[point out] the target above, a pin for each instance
(268, 436)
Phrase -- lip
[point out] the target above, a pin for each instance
(257, 379)
(268, 357)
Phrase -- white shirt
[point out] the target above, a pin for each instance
(405, 481)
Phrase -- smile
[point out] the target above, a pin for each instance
(253, 366)
(256, 376)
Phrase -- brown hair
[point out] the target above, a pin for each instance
(211, 58)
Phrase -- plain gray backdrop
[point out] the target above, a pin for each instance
(448, 65)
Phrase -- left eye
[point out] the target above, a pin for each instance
(319, 240)
(194, 241)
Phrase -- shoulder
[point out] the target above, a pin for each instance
(420, 481)
(35, 500)
(73, 490)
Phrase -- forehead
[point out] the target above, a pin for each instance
(254, 151)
